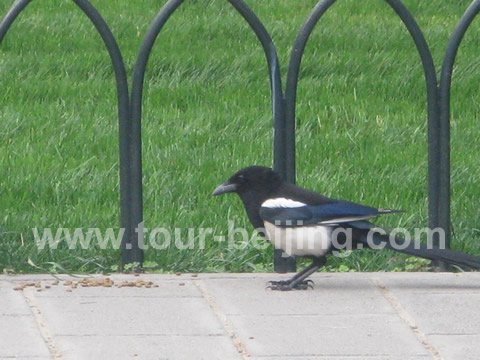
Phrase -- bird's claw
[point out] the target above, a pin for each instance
(305, 285)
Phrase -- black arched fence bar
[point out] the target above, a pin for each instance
(283, 109)
(282, 264)
(124, 124)
(11, 15)
(136, 116)
(444, 100)
(432, 98)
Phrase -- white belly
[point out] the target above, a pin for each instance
(300, 241)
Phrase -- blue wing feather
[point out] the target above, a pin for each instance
(340, 211)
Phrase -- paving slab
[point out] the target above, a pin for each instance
(147, 347)
(464, 347)
(368, 316)
(334, 295)
(337, 357)
(325, 320)
(328, 335)
(19, 333)
(446, 308)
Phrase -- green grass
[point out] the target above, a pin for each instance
(361, 123)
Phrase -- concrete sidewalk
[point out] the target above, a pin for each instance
(354, 316)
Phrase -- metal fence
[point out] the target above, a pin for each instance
(283, 109)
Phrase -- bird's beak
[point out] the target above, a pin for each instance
(226, 187)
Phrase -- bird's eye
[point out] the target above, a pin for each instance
(241, 179)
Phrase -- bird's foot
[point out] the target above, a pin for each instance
(280, 282)
(285, 285)
(288, 282)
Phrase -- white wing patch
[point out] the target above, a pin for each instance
(282, 203)
(344, 220)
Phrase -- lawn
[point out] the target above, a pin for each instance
(361, 124)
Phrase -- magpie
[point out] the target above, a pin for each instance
(306, 224)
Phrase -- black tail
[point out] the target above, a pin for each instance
(419, 249)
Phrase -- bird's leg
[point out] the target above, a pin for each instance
(298, 280)
(295, 277)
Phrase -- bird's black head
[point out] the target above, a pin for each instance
(258, 180)
(254, 185)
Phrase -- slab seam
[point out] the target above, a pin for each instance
(408, 319)
(222, 317)
(41, 323)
